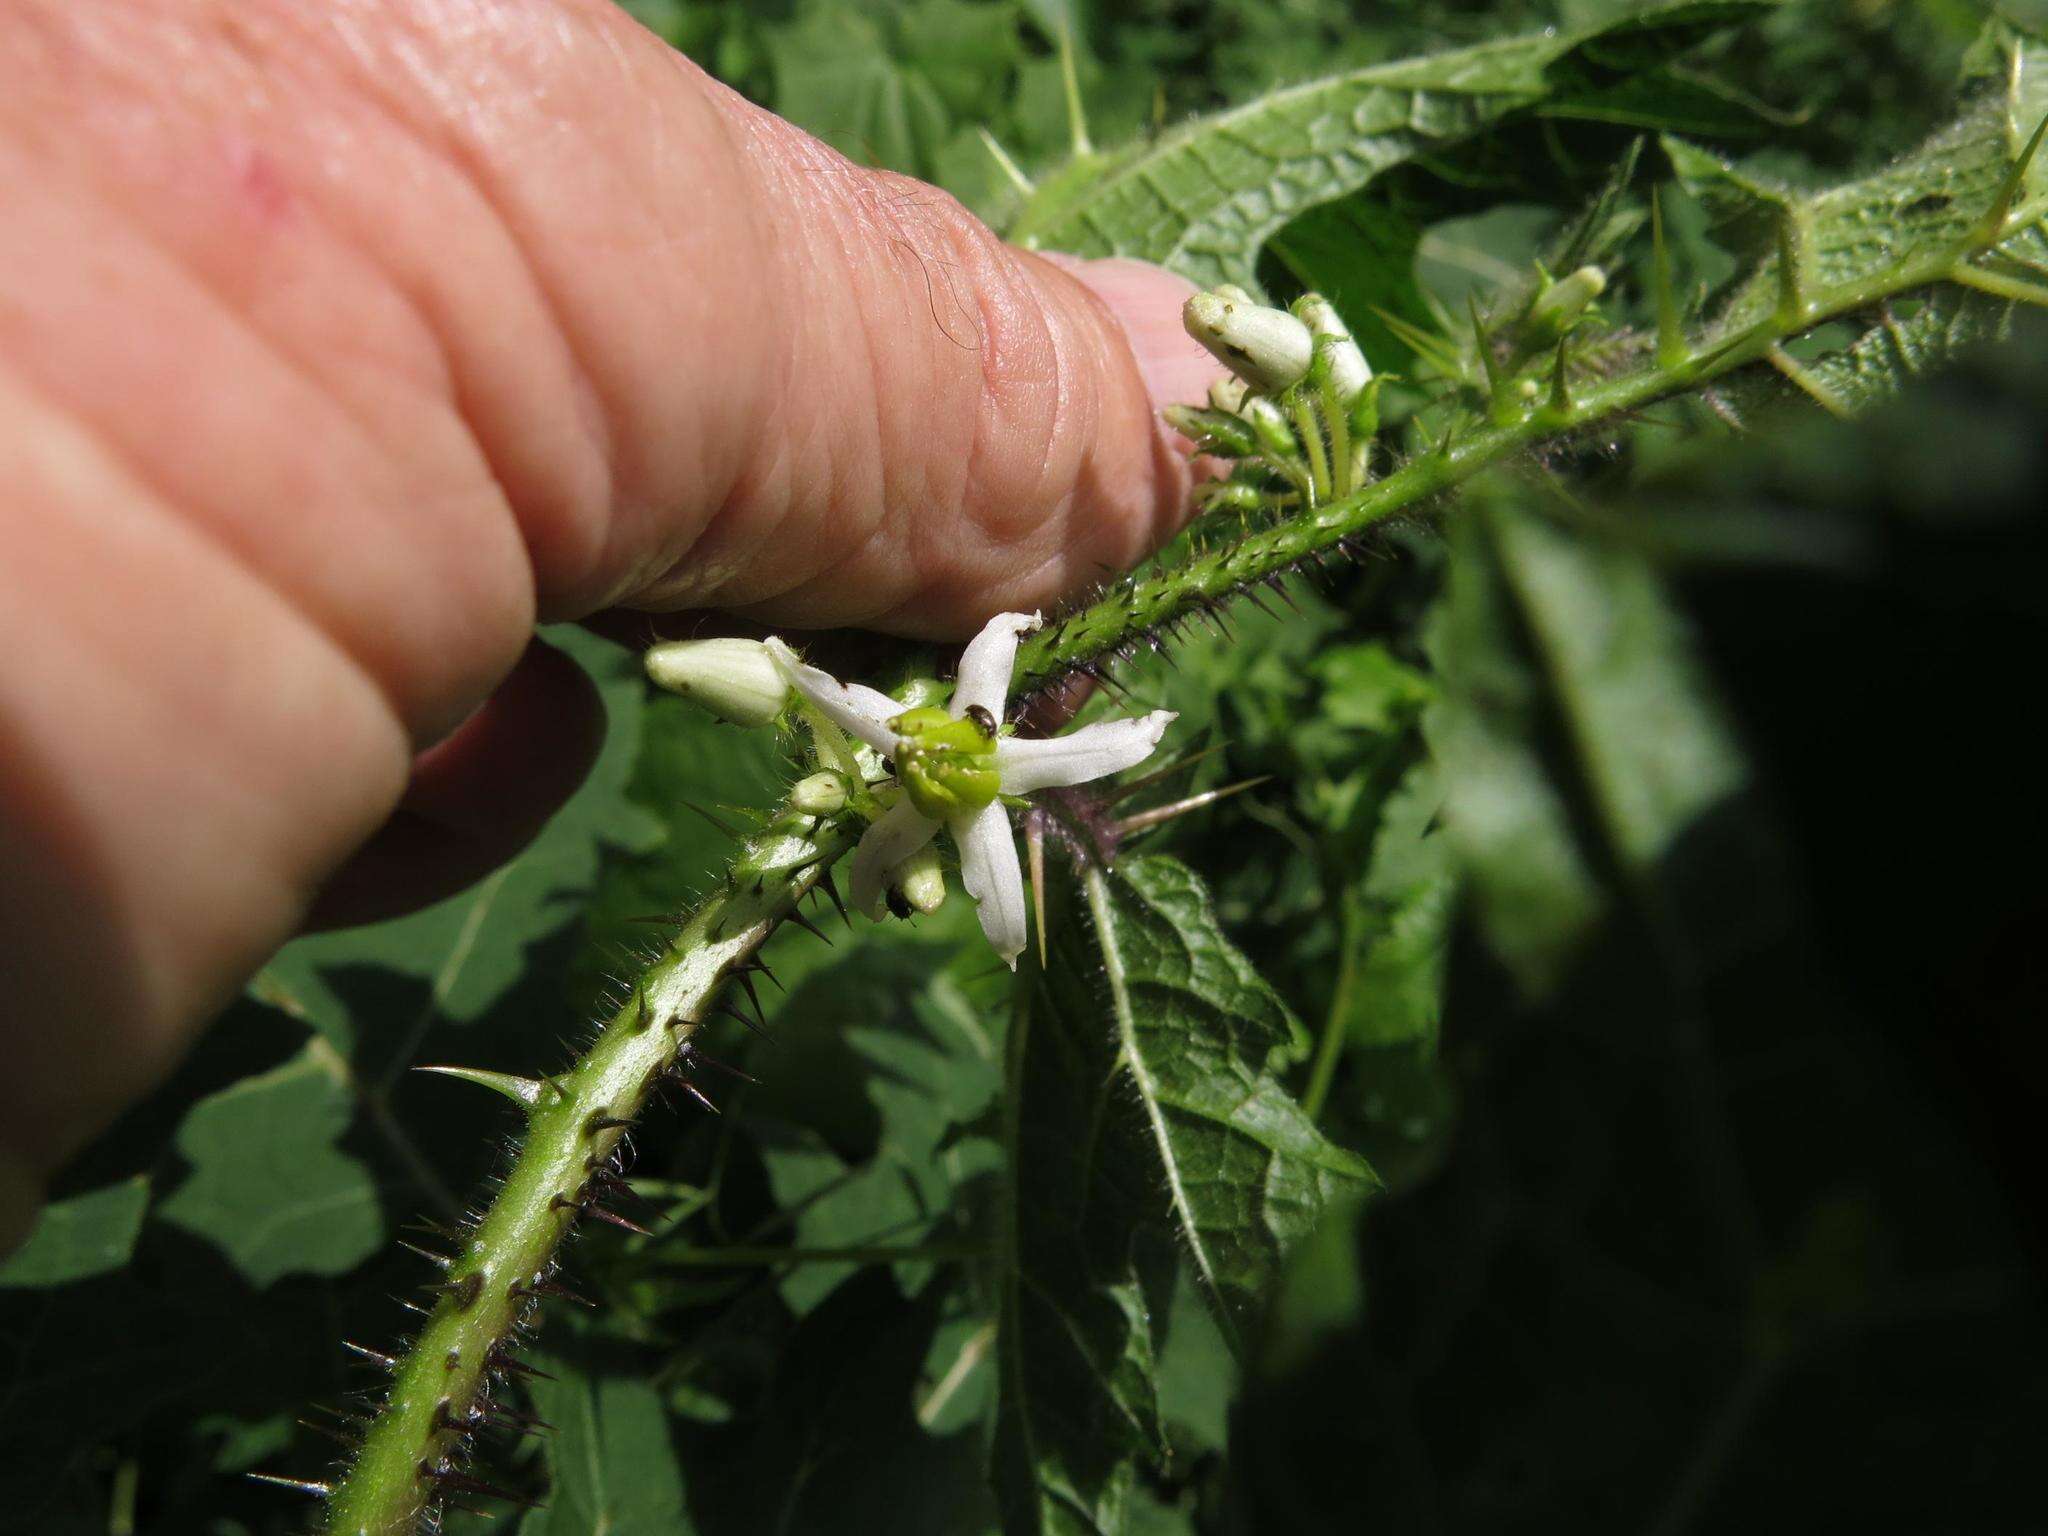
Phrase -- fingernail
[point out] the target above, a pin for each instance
(1146, 301)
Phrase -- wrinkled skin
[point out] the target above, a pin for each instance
(341, 343)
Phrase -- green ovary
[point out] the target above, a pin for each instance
(947, 766)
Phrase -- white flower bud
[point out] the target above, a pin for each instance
(1267, 348)
(1348, 370)
(822, 794)
(1266, 418)
(1228, 394)
(918, 883)
(736, 680)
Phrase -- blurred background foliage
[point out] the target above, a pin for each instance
(1649, 850)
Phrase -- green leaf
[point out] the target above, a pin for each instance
(85, 1235)
(1390, 997)
(1360, 253)
(1412, 882)
(1145, 1118)
(1083, 1279)
(888, 88)
(613, 1468)
(1200, 1037)
(1668, 99)
(1569, 686)
(1198, 1373)
(268, 1187)
(687, 768)
(880, 1060)
(836, 1445)
(1912, 337)
(1920, 206)
(1206, 197)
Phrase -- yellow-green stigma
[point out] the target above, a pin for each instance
(947, 767)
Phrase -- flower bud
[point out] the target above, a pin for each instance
(1340, 357)
(1268, 348)
(1267, 420)
(1228, 394)
(736, 680)
(822, 794)
(1557, 304)
(918, 883)
(1217, 432)
(1231, 496)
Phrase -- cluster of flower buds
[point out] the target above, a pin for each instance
(1273, 350)
(1293, 371)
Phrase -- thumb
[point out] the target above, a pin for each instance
(333, 356)
(755, 376)
(865, 408)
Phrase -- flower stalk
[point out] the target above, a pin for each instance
(493, 1284)
(1141, 611)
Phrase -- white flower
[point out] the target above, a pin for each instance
(954, 764)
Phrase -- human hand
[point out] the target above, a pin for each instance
(340, 344)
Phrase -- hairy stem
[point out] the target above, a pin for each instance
(441, 1389)
(1330, 1043)
(1139, 609)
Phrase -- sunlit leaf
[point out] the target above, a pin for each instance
(1146, 1119)
(1206, 197)
(1921, 206)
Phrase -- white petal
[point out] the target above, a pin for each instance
(1093, 752)
(993, 877)
(859, 710)
(985, 664)
(895, 836)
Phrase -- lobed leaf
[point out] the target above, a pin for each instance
(268, 1186)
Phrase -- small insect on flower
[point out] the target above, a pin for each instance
(954, 766)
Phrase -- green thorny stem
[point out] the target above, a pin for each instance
(1141, 609)
(411, 1452)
